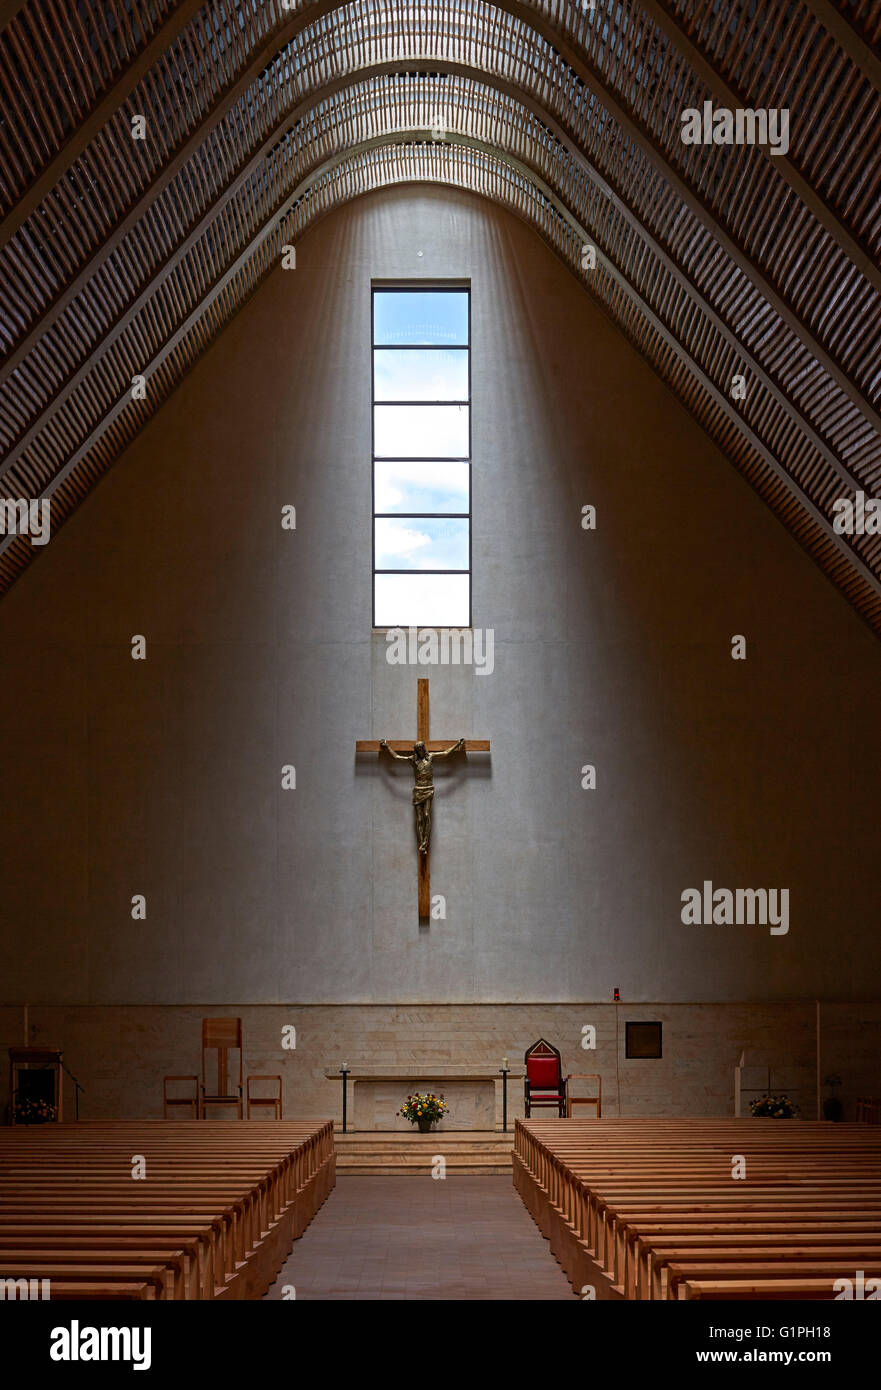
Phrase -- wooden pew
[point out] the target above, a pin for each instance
(650, 1252)
(764, 1289)
(106, 1250)
(213, 1217)
(197, 1243)
(101, 1291)
(639, 1207)
(801, 1265)
(72, 1272)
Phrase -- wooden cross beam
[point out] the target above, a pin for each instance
(406, 747)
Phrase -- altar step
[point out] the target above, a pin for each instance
(467, 1153)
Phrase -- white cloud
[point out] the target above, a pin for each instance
(394, 541)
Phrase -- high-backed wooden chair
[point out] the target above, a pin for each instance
(192, 1100)
(221, 1035)
(264, 1102)
(543, 1084)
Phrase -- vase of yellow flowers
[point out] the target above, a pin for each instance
(423, 1110)
(32, 1110)
(774, 1108)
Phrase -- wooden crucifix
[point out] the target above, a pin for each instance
(420, 755)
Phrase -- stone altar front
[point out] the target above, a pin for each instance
(474, 1095)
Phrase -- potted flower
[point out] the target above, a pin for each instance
(423, 1110)
(774, 1108)
(32, 1111)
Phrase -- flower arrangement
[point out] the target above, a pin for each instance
(774, 1108)
(423, 1110)
(33, 1112)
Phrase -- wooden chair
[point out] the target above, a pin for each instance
(192, 1100)
(597, 1100)
(263, 1102)
(223, 1035)
(543, 1084)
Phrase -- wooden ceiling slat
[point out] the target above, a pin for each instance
(798, 326)
(9, 9)
(630, 298)
(299, 114)
(849, 38)
(84, 133)
(805, 55)
(170, 169)
(694, 267)
(587, 71)
(16, 94)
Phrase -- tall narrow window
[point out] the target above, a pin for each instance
(421, 457)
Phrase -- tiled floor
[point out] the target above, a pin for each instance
(423, 1238)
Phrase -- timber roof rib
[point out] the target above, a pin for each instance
(121, 257)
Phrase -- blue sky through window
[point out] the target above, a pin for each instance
(435, 317)
(421, 453)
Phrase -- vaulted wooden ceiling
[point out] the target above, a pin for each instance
(121, 257)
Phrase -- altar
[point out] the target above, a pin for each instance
(473, 1094)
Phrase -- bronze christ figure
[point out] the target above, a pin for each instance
(423, 790)
(425, 750)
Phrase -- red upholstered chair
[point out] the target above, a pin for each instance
(544, 1084)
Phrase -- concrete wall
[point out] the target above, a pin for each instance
(162, 777)
(120, 1055)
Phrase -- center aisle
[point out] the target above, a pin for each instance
(423, 1238)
